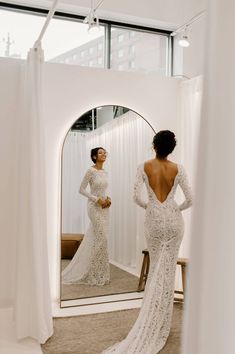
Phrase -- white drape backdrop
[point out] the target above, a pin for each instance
(74, 162)
(128, 140)
(32, 298)
(210, 306)
(191, 101)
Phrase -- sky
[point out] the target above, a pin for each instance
(24, 29)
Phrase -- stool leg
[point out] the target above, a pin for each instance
(142, 275)
(183, 272)
(147, 267)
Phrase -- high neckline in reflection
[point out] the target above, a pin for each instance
(97, 169)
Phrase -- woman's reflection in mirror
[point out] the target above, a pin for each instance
(90, 264)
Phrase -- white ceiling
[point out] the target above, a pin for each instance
(156, 13)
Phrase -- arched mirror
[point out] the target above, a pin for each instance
(126, 137)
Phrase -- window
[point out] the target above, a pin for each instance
(150, 51)
(68, 41)
(120, 37)
(120, 53)
(132, 65)
(91, 50)
(64, 41)
(132, 49)
(132, 34)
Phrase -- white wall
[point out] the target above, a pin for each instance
(189, 61)
(69, 91)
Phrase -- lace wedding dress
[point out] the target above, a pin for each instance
(164, 229)
(90, 264)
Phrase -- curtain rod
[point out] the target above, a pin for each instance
(193, 19)
(92, 10)
(98, 5)
(48, 19)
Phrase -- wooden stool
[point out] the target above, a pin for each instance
(70, 244)
(183, 262)
(144, 271)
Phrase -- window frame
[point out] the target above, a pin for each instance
(108, 24)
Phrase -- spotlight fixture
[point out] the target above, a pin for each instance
(184, 41)
(93, 24)
(92, 19)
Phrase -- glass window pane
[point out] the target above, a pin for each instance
(64, 41)
(138, 51)
(69, 42)
(18, 33)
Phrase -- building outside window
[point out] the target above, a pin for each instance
(120, 37)
(148, 51)
(120, 53)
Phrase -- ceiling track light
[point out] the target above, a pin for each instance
(94, 24)
(184, 41)
(184, 38)
(92, 19)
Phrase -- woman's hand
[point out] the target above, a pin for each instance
(108, 202)
(104, 203)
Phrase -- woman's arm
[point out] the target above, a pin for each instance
(184, 184)
(84, 185)
(139, 181)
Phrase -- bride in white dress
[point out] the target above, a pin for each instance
(164, 230)
(90, 264)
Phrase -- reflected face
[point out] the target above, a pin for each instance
(101, 155)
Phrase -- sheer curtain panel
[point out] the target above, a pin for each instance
(32, 298)
(210, 306)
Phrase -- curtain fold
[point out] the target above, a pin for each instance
(74, 156)
(191, 102)
(210, 306)
(33, 315)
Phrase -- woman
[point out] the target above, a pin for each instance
(90, 264)
(163, 231)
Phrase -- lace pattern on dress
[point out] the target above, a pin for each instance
(164, 229)
(90, 264)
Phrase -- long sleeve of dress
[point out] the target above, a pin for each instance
(84, 184)
(184, 184)
(139, 181)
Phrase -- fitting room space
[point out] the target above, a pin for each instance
(80, 74)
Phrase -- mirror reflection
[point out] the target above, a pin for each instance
(102, 229)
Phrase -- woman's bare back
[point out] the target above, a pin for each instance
(161, 175)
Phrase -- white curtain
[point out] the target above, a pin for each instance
(210, 306)
(32, 299)
(128, 140)
(74, 158)
(191, 101)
